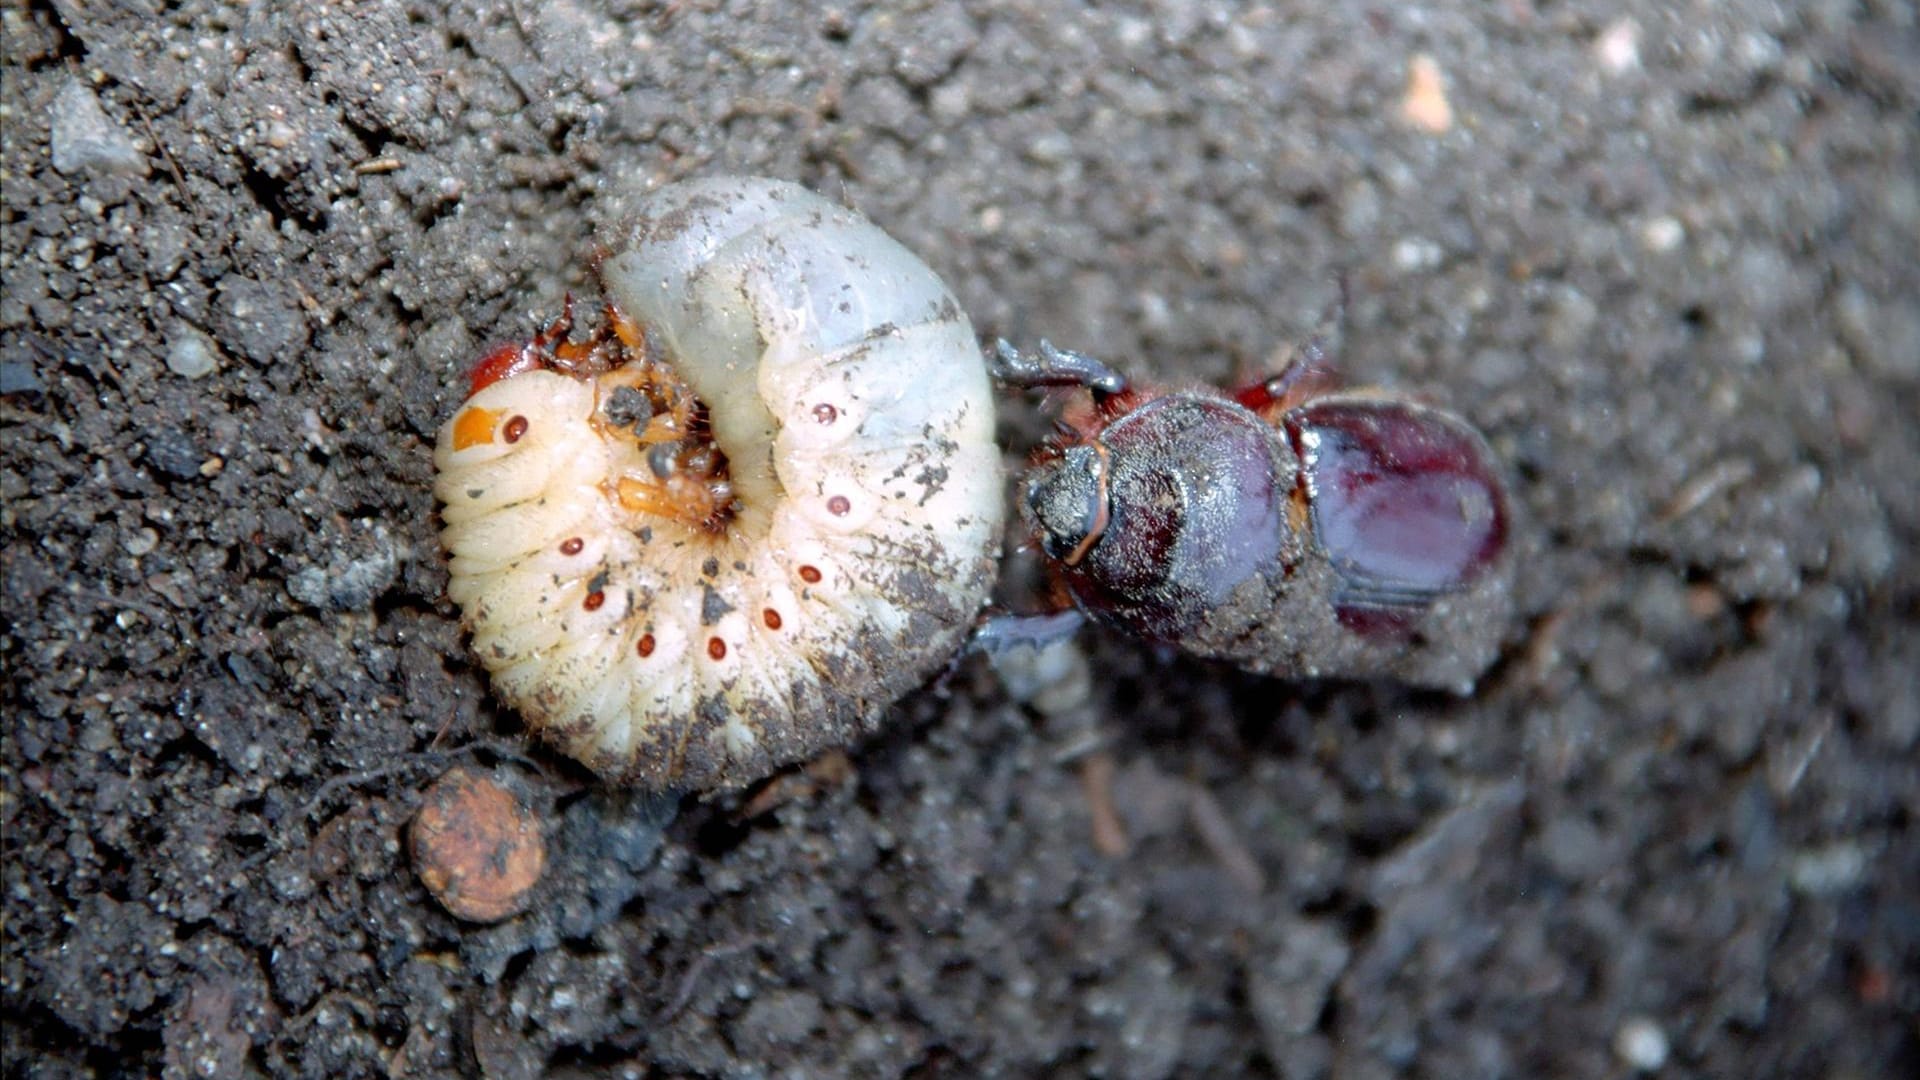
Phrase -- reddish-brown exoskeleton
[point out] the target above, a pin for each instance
(1291, 527)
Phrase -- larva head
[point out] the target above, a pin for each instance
(1167, 511)
(542, 351)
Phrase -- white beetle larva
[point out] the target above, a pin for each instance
(754, 509)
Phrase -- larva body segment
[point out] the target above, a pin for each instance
(844, 539)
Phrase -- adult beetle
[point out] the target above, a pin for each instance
(1291, 527)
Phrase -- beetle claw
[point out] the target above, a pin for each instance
(1053, 367)
(996, 634)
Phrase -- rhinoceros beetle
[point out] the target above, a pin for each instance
(1290, 527)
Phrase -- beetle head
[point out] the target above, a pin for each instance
(1067, 499)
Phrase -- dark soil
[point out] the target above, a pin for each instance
(1664, 255)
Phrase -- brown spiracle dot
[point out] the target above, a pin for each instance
(476, 848)
(772, 618)
(716, 648)
(644, 646)
(594, 600)
(825, 413)
(810, 575)
(572, 545)
(838, 506)
(516, 428)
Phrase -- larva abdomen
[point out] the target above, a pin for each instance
(798, 528)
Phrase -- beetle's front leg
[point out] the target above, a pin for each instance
(1003, 632)
(1308, 372)
(1052, 367)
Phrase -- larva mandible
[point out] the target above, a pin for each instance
(756, 507)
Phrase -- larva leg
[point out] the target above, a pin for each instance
(670, 466)
(688, 497)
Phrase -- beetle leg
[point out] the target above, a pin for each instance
(1053, 367)
(1306, 375)
(1309, 371)
(995, 634)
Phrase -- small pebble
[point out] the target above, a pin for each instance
(1618, 47)
(173, 452)
(19, 377)
(1425, 105)
(1641, 1044)
(86, 139)
(1662, 235)
(476, 848)
(348, 584)
(189, 355)
(140, 542)
(1827, 871)
(1054, 679)
(1414, 255)
(1050, 148)
(1570, 317)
